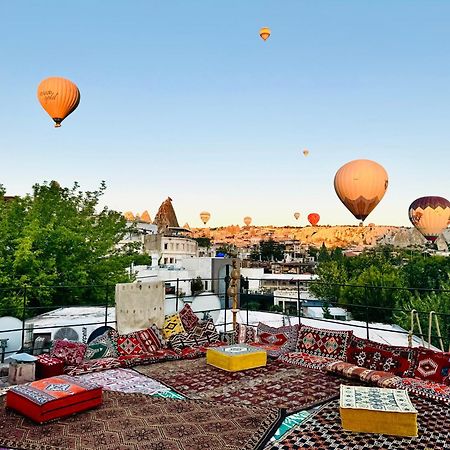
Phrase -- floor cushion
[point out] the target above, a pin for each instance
(352, 371)
(432, 365)
(72, 353)
(138, 342)
(46, 366)
(172, 325)
(92, 365)
(53, 398)
(244, 334)
(306, 360)
(375, 356)
(202, 334)
(322, 342)
(425, 388)
(283, 337)
(160, 355)
(188, 318)
(103, 346)
(273, 351)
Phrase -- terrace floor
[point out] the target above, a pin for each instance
(188, 405)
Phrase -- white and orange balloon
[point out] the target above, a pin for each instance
(360, 185)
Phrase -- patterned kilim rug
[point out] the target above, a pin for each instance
(278, 384)
(323, 431)
(141, 422)
(130, 382)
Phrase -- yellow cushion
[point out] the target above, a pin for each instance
(172, 325)
(375, 410)
(234, 358)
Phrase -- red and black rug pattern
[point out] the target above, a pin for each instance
(278, 384)
(323, 431)
(141, 422)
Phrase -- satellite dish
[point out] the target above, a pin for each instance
(204, 303)
(66, 333)
(98, 332)
(170, 305)
(14, 337)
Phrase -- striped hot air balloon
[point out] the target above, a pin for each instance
(430, 215)
(59, 97)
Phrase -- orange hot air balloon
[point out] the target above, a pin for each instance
(59, 97)
(430, 215)
(313, 219)
(247, 220)
(296, 215)
(360, 185)
(305, 152)
(264, 33)
(205, 216)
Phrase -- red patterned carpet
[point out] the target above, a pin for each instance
(141, 422)
(278, 384)
(323, 431)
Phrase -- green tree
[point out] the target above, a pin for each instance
(269, 250)
(56, 237)
(378, 294)
(323, 254)
(328, 287)
(197, 286)
(203, 241)
(438, 301)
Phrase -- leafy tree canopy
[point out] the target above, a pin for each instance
(56, 237)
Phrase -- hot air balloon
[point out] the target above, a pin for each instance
(59, 97)
(296, 215)
(264, 33)
(204, 216)
(313, 219)
(360, 185)
(247, 220)
(305, 152)
(430, 215)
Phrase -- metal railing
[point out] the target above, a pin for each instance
(27, 301)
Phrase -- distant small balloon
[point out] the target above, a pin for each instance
(313, 219)
(247, 220)
(205, 216)
(297, 215)
(264, 33)
(306, 152)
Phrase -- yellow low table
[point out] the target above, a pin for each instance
(234, 358)
(376, 410)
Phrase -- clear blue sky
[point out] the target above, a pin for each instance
(183, 98)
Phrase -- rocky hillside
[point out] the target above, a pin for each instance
(332, 236)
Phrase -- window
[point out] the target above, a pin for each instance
(206, 285)
(165, 246)
(165, 260)
(177, 246)
(171, 260)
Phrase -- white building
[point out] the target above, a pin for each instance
(171, 247)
